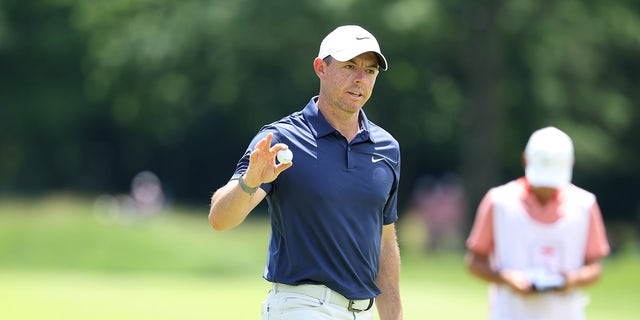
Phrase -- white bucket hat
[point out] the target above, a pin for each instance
(346, 42)
(549, 158)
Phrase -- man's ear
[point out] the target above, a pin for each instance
(319, 66)
(524, 160)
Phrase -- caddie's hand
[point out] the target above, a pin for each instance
(569, 282)
(262, 162)
(517, 281)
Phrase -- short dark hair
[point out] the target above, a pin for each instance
(328, 60)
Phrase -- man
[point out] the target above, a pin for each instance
(333, 245)
(539, 239)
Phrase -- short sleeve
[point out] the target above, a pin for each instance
(597, 243)
(480, 239)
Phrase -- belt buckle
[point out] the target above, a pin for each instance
(352, 309)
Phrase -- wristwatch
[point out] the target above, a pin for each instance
(245, 187)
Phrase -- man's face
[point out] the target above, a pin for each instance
(348, 85)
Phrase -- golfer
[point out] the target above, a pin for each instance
(333, 252)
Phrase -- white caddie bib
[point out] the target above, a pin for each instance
(523, 243)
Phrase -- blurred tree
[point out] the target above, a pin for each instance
(41, 110)
(93, 92)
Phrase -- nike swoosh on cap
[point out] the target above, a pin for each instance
(362, 38)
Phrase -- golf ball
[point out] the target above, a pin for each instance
(285, 156)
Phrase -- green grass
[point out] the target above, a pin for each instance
(96, 296)
(58, 261)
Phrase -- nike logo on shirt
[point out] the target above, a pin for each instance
(374, 160)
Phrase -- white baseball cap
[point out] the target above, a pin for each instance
(549, 158)
(346, 42)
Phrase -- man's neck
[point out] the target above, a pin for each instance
(544, 194)
(347, 124)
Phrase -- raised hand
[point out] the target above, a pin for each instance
(262, 162)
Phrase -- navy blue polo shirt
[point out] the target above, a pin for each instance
(328, 209)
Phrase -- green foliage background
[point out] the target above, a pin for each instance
(92, 92)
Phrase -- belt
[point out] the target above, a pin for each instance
(323, 293)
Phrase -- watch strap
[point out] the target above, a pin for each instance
(245, 187)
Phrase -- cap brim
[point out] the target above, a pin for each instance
(348, 55)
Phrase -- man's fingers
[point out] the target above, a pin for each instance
(262, 147)
(282, 167)
(278, 146)
(265, 142)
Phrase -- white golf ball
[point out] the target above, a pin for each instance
(285, 156)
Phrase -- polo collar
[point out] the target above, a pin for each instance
(320, 127)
